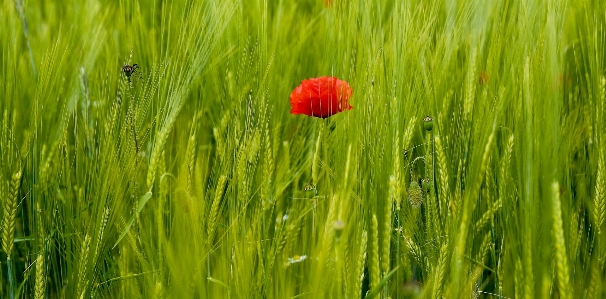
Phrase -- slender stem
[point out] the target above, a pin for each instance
(19, 6)
(11, 277)
(398, 255)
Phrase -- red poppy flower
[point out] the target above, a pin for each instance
(320, 97)
(483, 78)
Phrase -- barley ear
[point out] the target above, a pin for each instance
(214, 210)
(561, 258)
(397, 173)
(440, 272)
(268, 170)
(385, 259)
(82, 281)
(519, 279)
(241, 172)
(375, 273)
(190, 158)
(596, 282)
(470, 84)
(359, 277)
(10, 211)
(600, 194)
(40, 279)
(155, 156)
(488, 215)
(442, 173)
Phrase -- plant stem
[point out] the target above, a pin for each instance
(10, 272)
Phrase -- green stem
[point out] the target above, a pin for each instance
(11, 278)
(19, 7)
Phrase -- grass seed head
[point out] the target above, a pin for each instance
(415, 194)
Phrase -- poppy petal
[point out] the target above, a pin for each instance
(321, 97)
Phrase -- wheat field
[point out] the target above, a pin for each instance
(472, 165)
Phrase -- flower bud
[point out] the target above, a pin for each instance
(415, 194)
(428, 123)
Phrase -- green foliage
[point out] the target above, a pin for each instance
(188, 178)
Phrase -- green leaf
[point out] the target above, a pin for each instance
(378, 288)
(23, 239)
(142, 201)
